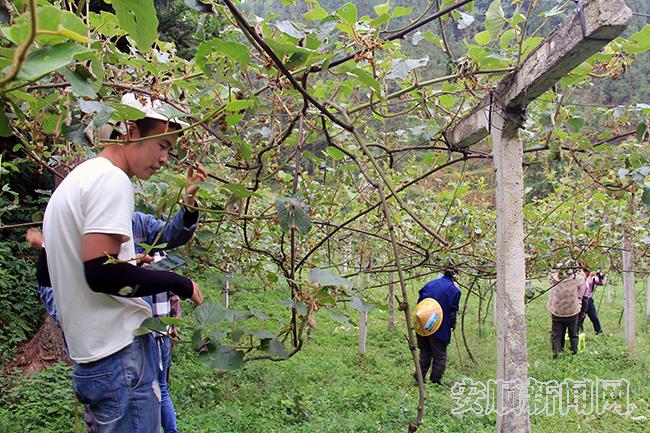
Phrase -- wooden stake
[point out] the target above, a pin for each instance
(363, 331)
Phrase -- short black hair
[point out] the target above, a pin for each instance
(145, 126)
(450, 272)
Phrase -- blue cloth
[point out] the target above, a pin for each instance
(447, 294)
(168, 412)
(47, 298)
(122, 389)
(178, 232)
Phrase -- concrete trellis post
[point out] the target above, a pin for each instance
(512, 350)
(628, 289)
(583, 33)
(391, 301)
(363, 331)
(647, 299)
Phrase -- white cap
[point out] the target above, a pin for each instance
(152, 109)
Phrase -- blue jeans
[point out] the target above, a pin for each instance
(592, 313)
(168, 414)
(122, 389)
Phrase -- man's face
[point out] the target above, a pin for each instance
(145, 157)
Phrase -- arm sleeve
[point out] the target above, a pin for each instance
(178, 232)
(107, 204)
(124, 279)
(454, 309)
(42, 274)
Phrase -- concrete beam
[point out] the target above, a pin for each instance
(558, 54)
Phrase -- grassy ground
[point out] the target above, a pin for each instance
(329, 387)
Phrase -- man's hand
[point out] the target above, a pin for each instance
(197, 296)
(34, 237)
(194, 177)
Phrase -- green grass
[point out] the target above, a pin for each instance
(329, 387)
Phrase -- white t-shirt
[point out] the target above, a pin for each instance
(96, 197)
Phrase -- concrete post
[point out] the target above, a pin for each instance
(363, 331)
(628, 288)
(512, 351)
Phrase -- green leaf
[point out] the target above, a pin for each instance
(315, 12)
(340, 318)
(5, 129)
(326, 277)
(494, 18)
(301, 307)
(275, 348)
(236, 316)
(75, 132)
(401, 68)
(576, 123)
(245, 148)
(154, 324)
(139, 19)
(80, 86)
(239, 190)
(239, 104)
(641, 130)
(640, 41)
(348, 13)
(235, 50)
(382, 8)
(334, 153)
(210, 313)
(43, 61)
(206, 236)
(530, 44)
(263, 335)
(401, 11)
(217, 336)
(359, 305)
(51, 19)
(122, 112)
(234, 119)
(259, 314)
(362, 76)
(289, 29)
(506, 38)
(447, 101)
(483, 38)
(292, 215)
(646, 196)
(225, 358)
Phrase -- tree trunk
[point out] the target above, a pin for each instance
(44, 349)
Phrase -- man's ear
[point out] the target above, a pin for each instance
(132, 131)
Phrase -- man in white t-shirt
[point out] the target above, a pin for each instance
(97, 288)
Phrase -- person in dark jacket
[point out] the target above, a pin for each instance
(433, 348)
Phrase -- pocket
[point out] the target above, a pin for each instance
(140, 361)
(98, 392)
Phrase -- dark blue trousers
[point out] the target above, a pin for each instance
(588, 305)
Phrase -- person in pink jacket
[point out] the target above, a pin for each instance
(586, 295)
